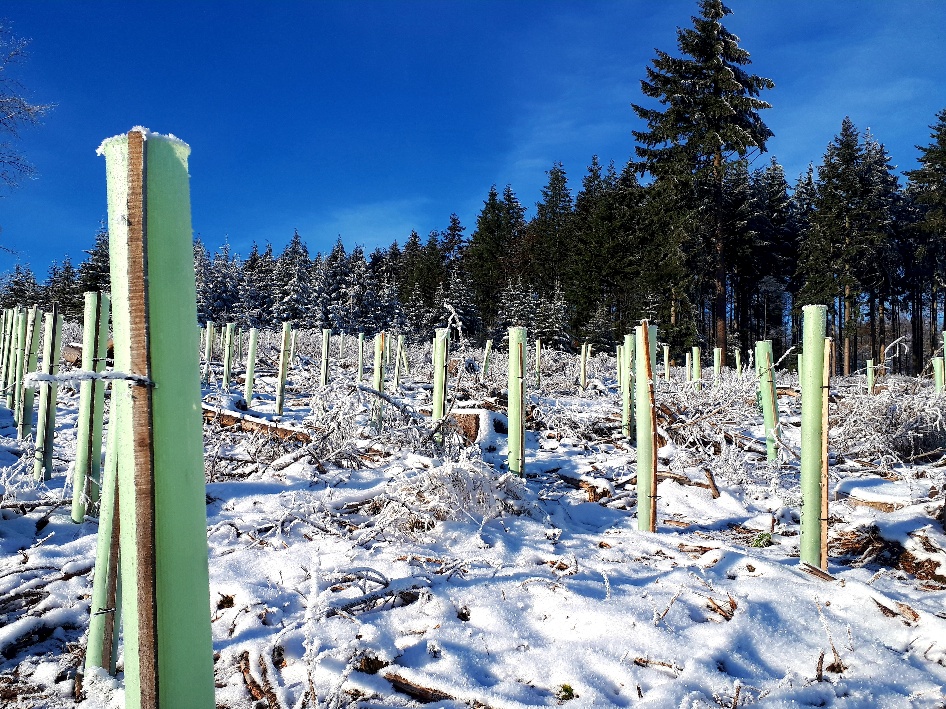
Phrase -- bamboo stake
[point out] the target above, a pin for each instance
(250, 367)
(326, 342)
(87, 472)
(24, 417)
(168, 651)
(227, 355)
(46, 420)
(284, 357)
(811, 432)
(825, 497)
(646, 434)
(516, 397)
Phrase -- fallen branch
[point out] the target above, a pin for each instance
(255, 425)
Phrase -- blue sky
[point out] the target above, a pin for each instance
(367, 119)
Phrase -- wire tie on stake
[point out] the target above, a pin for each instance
(34, 380)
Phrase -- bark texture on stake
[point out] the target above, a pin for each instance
(516, 384)
(162, 497)
(250, 367)
(646, 434)
(285, 354)
(88, 467)
(46, 420)
(812, 391)
(24, 417)
(326, 342)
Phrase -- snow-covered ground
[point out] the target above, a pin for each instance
(378, 569)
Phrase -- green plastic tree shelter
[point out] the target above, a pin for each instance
(516, 398)
(46, 420)
(360, 371)
(249, 383)
(666, 362)
(292, 348)
(763, 352)
(88, 466)
(285, 354)
(646, 433)
(812, 429)
(697, 370)
(24, 418)
(165, 598)
(102, 649)
(687, 367)
(6, 336)
(717, 363)
(208, 348)
(626, 361)
(938, 375)
(739, 363)
(870, 377)
(583, 367)
(19, 343)
(398, 356)
(486, 353)
(378, 379)
(439, 396)
(326, 342)
(538, 363)
(228, 343)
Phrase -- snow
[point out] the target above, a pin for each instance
(381, 558)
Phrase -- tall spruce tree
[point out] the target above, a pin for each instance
(710, 115)
(94, 272)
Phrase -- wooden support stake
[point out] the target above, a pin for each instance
(168, 651)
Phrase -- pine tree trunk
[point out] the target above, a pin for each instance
(719, 280)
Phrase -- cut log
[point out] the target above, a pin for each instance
(255, 425)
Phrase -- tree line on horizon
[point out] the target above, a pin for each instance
(689, 233)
